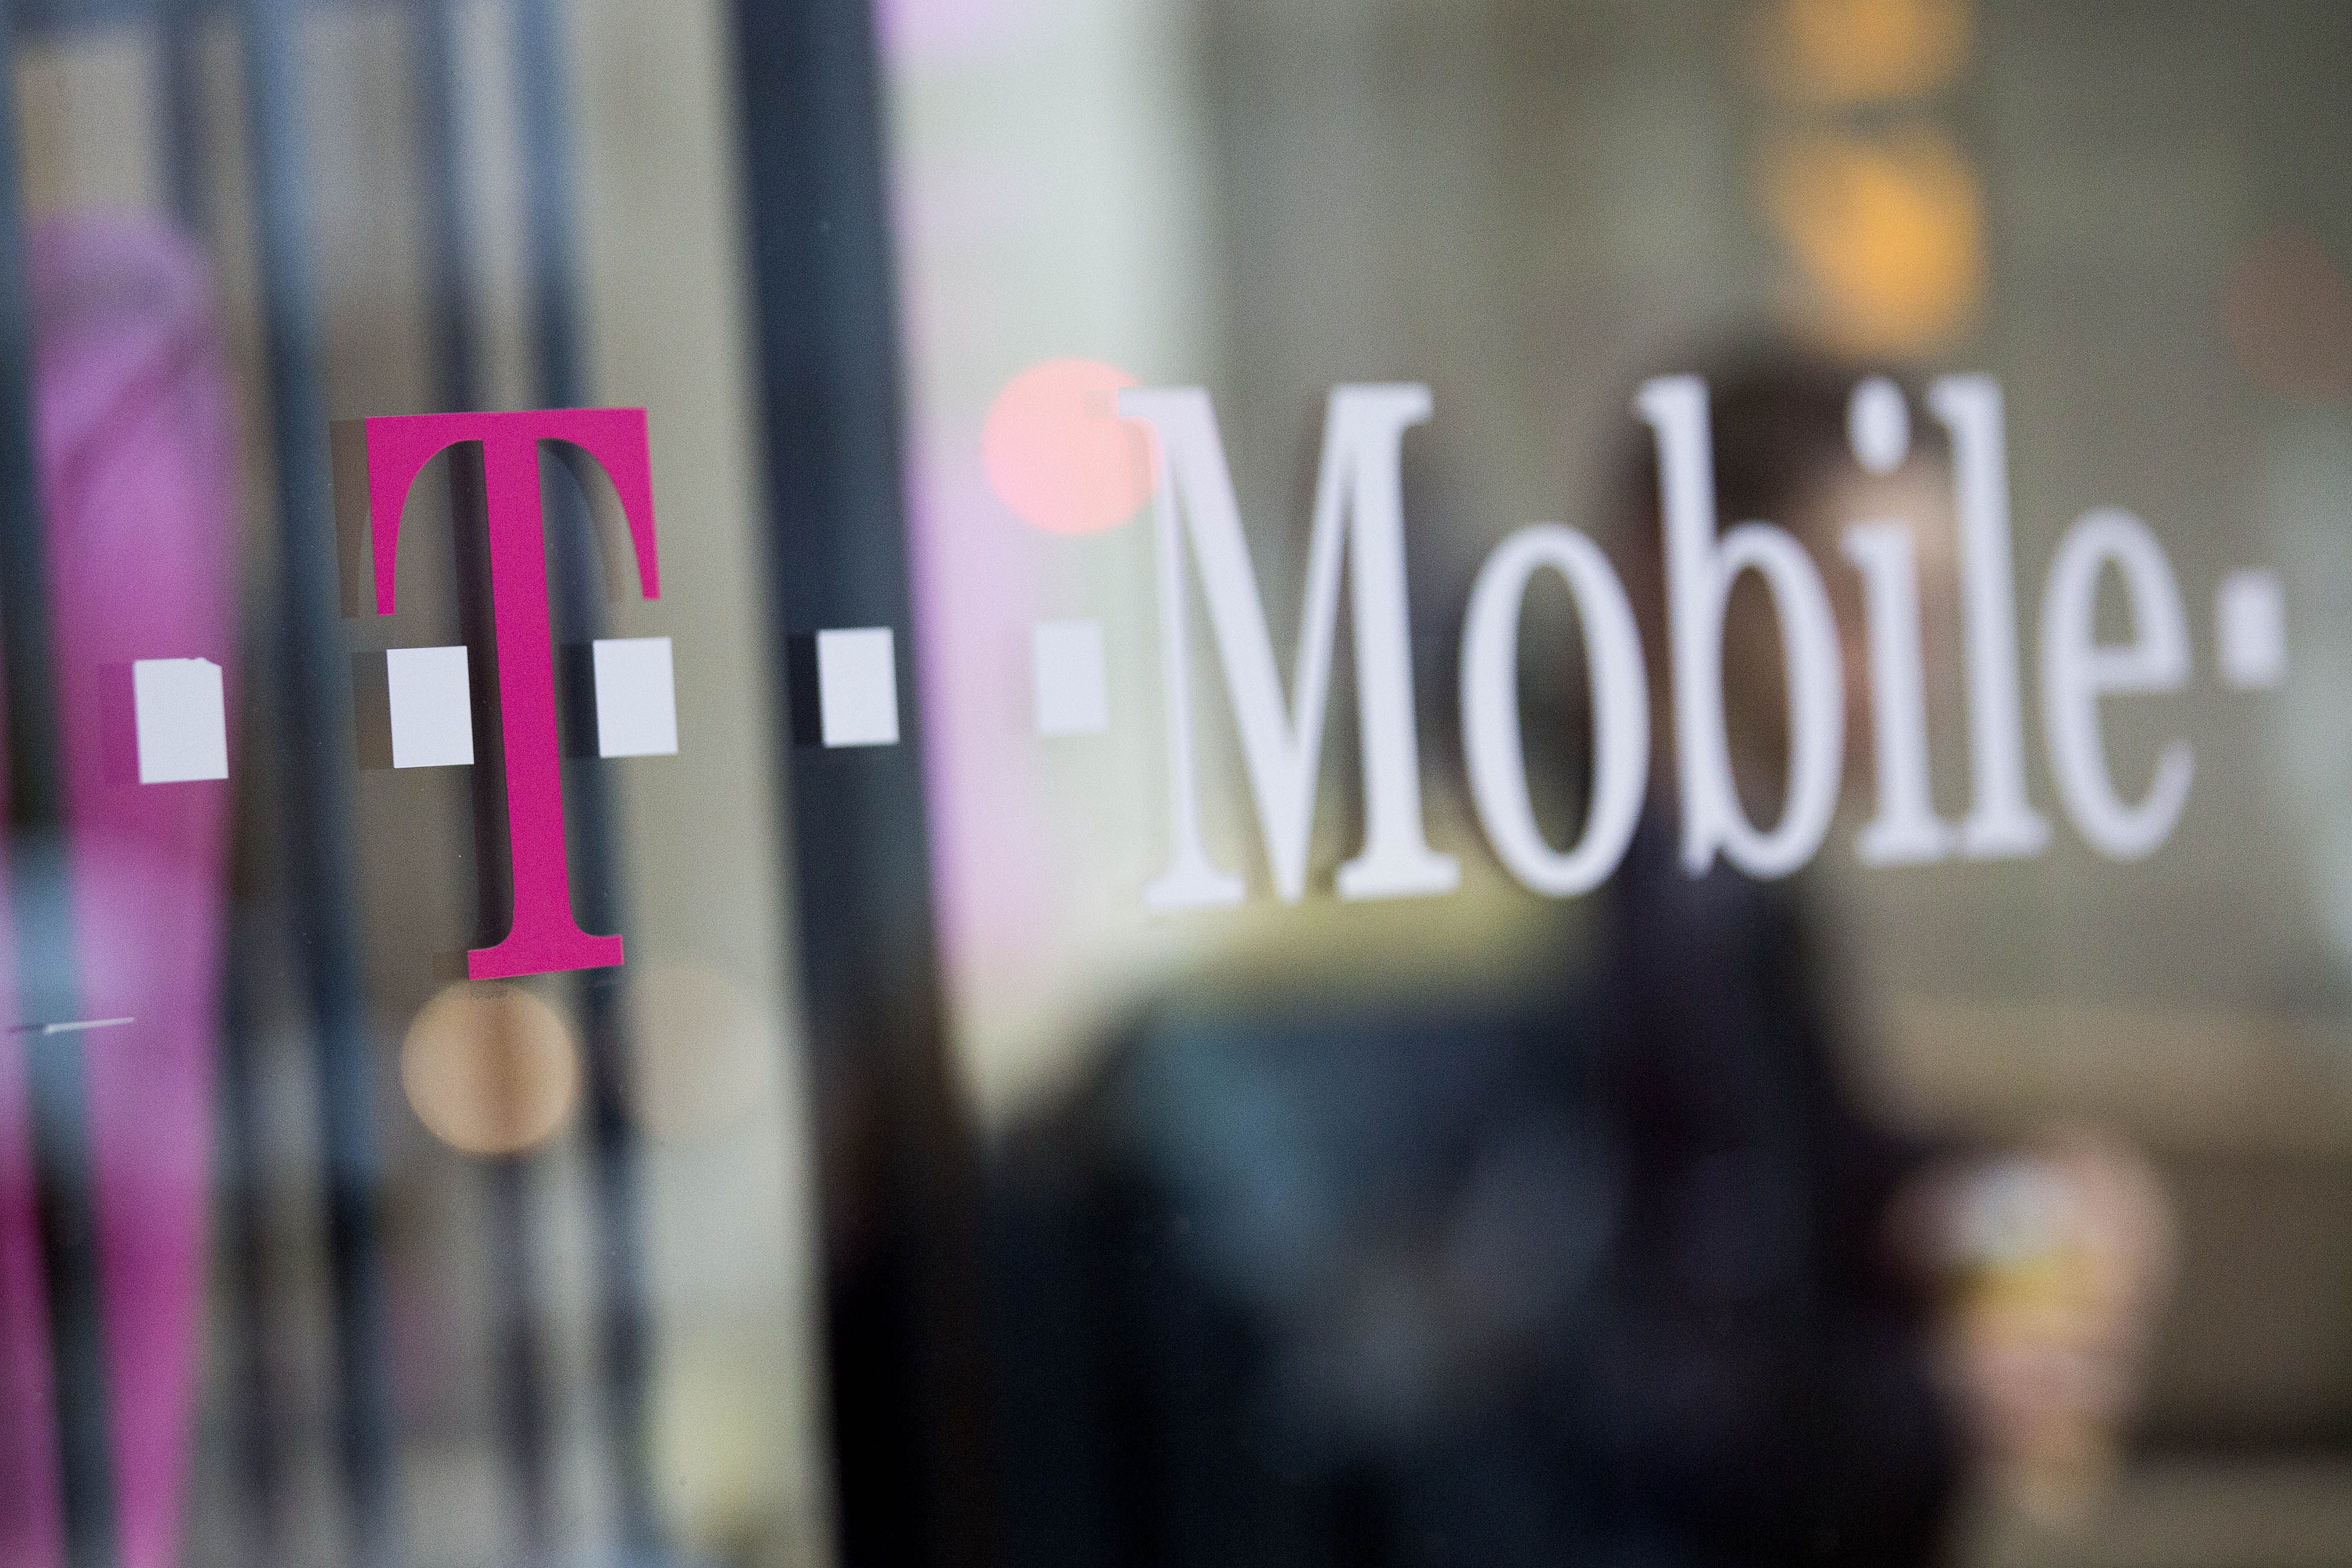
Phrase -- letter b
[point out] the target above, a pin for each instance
(1700, 571)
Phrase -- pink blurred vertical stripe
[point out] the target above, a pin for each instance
(139, 468)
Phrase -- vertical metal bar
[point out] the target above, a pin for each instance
(901, 1245)
(448, 238)
(40, 908)
(240, 1163)
(316, 727)
(520, 1371)
(241, 1167)
(542, 82)
(179, 98)
(543, 79)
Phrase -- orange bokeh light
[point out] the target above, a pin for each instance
(1889, 234)
(489, 1068)
(1842, 52)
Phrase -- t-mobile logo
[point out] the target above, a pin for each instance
(544, 937)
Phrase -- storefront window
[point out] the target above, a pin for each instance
(982, 781)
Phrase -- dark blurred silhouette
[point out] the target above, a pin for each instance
(1621, 1274)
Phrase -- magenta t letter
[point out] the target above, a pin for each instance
(545, 937)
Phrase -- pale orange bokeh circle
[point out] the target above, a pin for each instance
(489, 1068)
(1058, 454)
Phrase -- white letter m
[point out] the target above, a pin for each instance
(1358, 500)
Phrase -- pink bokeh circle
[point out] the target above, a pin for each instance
(1058, 454)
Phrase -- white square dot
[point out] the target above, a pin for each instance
(181, 719)
(432, 708)
(637, 697)
(1065, 677)
(2250, 629)
(857, 686)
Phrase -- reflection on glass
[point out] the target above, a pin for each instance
(491, 1069)
(1937, 1201)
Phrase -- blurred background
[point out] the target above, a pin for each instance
(914, 1193)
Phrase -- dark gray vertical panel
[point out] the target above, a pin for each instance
(543, 89)
(239, 1157)
(315, 732)
(902, 1281)
(449, 260)
(179, 91)
(40, 907)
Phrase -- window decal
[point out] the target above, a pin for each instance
(545, 937)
